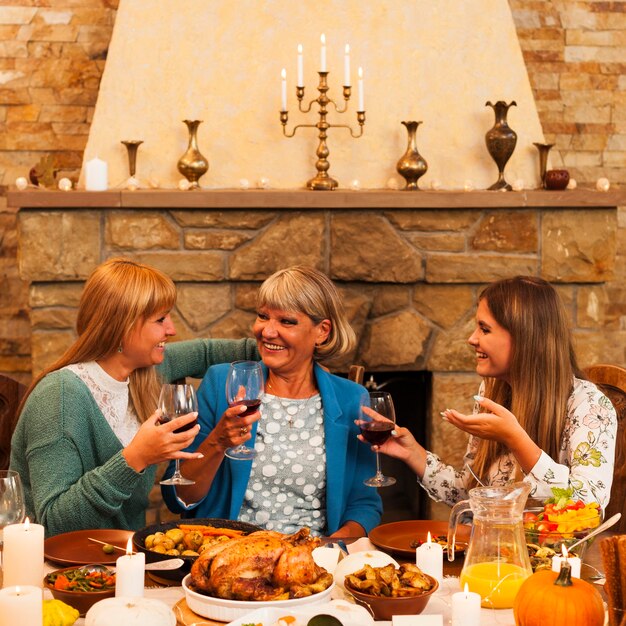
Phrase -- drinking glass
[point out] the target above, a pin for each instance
(377, 431)
(244, 385)
(12, 508)
(174, 401)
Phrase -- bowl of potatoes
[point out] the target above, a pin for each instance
(185, 539)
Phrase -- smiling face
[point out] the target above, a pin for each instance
(286, 339)
(145, 344)
(493, 344)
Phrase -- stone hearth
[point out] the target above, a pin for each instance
(409, 266)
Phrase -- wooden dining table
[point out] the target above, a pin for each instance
(173, 594)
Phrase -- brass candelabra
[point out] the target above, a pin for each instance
(322, 181)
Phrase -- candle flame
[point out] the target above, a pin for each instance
(283, 73)
(466, 589)
(323, 39)
(360, 72)
(27, 524)
(129, 546)
(17, 590)
(428, 540)
(299, 48)
(347, 48)
(564, 551)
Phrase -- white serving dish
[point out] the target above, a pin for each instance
(356, 561)
(229, 610)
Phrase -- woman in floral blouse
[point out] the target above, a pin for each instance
(535, 417)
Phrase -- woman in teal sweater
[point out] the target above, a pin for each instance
(88, 438)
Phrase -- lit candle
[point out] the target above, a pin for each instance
(346, 67)
(465, 608)
(21, 605)
(300, 67)
(22, 558)
(323, 53)
(361, 105)
(130, 573)
(574, 562)
(96, 175)
(429, 558)
(283, 90)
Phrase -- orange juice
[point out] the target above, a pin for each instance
(497, 583)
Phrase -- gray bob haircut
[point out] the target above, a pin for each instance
(306, 290)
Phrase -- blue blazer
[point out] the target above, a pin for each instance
(348, 461)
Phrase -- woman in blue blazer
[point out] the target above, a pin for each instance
(310, 468)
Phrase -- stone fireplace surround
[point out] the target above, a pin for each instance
(409, 266)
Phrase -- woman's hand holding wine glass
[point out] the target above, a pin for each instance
(175, 401)
(244, 386)
(376, 426)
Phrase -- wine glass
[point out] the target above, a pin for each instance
(12, 507)
(174, 401)
(377, 431)
(244, 385)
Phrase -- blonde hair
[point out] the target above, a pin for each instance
(119, 295)
(542, 364)
(307, 290)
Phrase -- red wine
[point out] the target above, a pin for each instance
(182, 429)
(376, 433)
(252, 405)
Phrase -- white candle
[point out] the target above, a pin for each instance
(323, 53)
(96, 175)
(429, 558)
(21, 605)
(22, 558)
(361, 105)
(465, 608)
(283, 90)
(574, 562)
(346, 67)
(300, 82)
(130, 573)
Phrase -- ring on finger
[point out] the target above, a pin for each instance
(243, 431)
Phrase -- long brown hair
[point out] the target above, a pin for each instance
(119, 295)
(542, 364)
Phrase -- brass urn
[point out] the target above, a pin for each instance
(192, 165)
(411, 165)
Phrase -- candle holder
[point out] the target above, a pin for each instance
(322, 181)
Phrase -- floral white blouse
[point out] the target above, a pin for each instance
(585, 461)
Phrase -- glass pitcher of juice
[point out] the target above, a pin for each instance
(496, 562)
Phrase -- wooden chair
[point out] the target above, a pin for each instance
(611, 379)
(356, 373)
(11, 392)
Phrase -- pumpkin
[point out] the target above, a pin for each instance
(130, 612)
(558, 599)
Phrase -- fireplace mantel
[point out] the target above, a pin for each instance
(304, 199)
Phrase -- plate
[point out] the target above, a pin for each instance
(224, 610)
(177, 575)
(397, 536)
(74, 548)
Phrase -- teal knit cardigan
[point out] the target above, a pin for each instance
(71, 462)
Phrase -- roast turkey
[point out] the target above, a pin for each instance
(264, 565)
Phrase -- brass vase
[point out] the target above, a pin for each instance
(131, 146)
(411, 165)
(192, 165)
(543, 148)
(501, 140)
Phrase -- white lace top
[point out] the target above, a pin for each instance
(111, 396)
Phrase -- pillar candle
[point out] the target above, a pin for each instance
(130, 573)
(283, 90)
(361, 99)
(300, 82)
(21, 605)
(22, 558)
(323, 53)
(574, 562)
(96, 175)
(346, 67)
(429, 558)
(466, 608)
